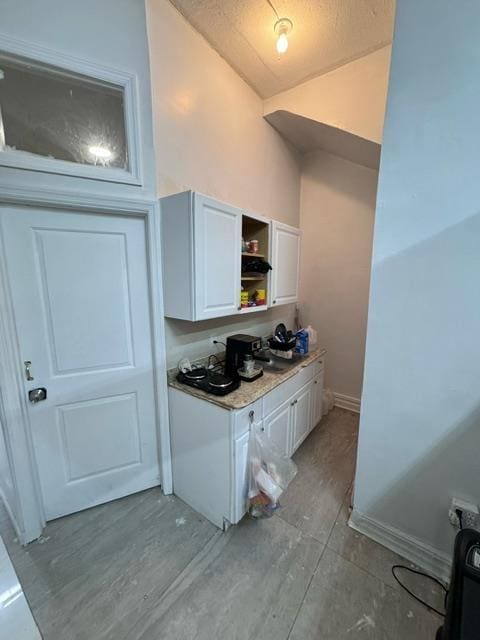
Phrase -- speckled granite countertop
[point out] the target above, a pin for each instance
(247, 392)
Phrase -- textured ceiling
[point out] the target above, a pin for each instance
(326, 34)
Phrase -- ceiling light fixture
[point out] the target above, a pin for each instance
(282, 28)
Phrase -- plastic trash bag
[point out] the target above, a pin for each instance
(270, 473)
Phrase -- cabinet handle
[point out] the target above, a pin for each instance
(239, 308)
(292, 403)
(274, 302)
(251, 416)
(315, 382)
(262, 428)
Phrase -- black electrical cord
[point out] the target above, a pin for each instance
(425, 575)
(219, 342)
(274, 10)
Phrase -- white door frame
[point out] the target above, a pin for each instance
(29, 517)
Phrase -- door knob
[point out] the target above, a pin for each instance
(37, 395)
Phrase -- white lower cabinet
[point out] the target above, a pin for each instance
(317, 398)
(210, 444)
(278, 426)
(302, 418)
(240, 454)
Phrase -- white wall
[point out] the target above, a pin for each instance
(420, 421)
(110, 33)
(336, 216)
(351, 98)
(210, 136)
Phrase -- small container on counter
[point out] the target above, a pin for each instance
(302, 342)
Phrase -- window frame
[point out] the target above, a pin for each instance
(125, 81)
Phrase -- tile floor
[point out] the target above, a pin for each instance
(149, 568)
(16, 620)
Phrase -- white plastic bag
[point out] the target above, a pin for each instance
(312, 336)
(270, 473)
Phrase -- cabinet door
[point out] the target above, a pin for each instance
(217, 248)
(302, 415)
(277, 426)
(285, 263)
(240, 452)
(317, 397)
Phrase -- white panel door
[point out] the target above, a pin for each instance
(302, 418)
(277, 426)
(79, 286)
(218, 237)
(285, 263)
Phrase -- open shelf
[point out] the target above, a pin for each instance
(255, 284)
(260, 307)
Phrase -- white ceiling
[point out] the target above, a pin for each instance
(326, 34)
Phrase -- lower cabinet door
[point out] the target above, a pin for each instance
(277, 426)
(302, 415)
(240, 452)
(317, 398)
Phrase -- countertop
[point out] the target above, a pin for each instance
(247, 392)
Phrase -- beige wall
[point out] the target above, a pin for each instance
(210, 136)
(336, 217)
(351, 98)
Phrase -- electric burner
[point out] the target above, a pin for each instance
(209, 381)
(196, 374)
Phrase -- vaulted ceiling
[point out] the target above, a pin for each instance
(326, 34)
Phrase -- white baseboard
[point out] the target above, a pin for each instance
(423, 555)
(347, 402)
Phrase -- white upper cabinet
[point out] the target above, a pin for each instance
(208, 272)
(218, 239)
(285, 263)
(201, 245)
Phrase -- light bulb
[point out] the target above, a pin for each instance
(282, 29)
(100, 152)
(282, 43)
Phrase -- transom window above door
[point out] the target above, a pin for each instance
(60, 120)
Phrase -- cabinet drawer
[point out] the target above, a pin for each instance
(242, 420)
(287, 389)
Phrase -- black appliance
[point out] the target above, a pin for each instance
(238, 346)
(209, 381)
(462, 619)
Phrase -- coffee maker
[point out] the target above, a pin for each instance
(238, 346)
